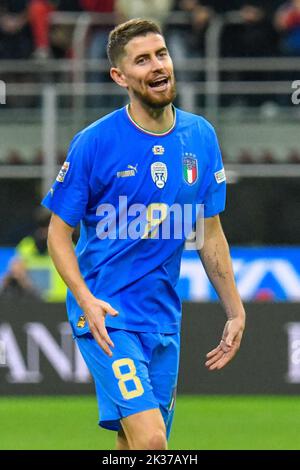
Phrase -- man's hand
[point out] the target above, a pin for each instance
(229, 344)
(61, 250)
(95, 311)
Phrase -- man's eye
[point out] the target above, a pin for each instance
(141, 61)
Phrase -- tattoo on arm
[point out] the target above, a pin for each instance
(212, 263)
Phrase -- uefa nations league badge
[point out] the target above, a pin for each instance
(190, 168)
(159, 173)
(62, 172)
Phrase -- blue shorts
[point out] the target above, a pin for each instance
(141, 375)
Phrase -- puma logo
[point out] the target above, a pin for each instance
(132, 171)
(134, 168)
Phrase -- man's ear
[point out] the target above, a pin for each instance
(118, 77)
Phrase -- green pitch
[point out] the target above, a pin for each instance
(200, 423)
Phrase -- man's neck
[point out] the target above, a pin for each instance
(151, 119)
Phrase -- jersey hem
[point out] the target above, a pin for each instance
(133, 328)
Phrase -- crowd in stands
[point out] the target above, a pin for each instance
(31, 273)
(268, 28)
(264, 29)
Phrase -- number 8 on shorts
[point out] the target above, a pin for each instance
(125, 377)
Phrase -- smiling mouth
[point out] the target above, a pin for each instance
(159, 83)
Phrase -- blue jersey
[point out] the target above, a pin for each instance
(129, 188)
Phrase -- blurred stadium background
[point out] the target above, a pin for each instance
(237, 63)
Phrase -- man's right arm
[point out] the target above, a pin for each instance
(61, 250)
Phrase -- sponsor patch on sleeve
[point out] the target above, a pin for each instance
(220, 176)
(62, 172)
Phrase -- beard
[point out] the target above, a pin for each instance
(159, 101)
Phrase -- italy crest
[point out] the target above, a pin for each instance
(159, 173)
(190, 169)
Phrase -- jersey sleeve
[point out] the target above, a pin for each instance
(68, 196)
(215, 196)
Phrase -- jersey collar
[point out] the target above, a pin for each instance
(145, 131)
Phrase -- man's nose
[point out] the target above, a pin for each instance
(156, 64)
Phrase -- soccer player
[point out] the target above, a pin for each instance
(129, 178)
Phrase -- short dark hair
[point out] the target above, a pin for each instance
(124, 32)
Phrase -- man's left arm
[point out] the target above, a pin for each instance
(216, 260)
